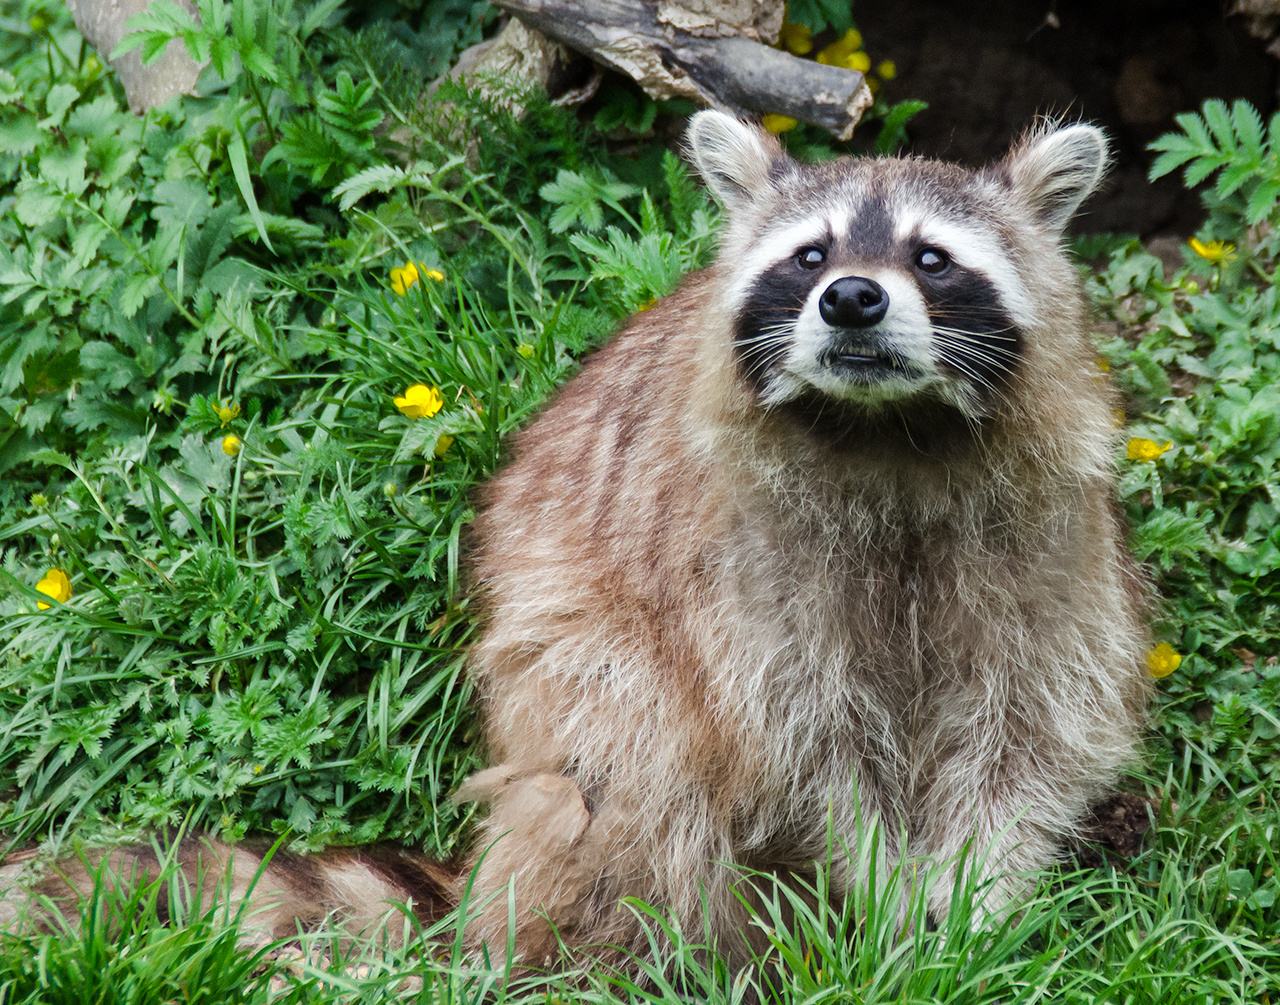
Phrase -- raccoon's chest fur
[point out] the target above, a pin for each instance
(850, 637)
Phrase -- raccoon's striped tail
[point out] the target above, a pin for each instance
(275, 892)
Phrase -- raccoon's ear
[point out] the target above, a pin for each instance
(736, 160)
(1055, 170)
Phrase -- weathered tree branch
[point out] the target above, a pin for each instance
(734, 73)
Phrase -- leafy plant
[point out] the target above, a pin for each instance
(1199, 353)
(264, 625)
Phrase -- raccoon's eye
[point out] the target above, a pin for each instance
(810, 258)
(934, 261)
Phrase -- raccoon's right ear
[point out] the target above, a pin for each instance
(1055, 168)
(738, 161)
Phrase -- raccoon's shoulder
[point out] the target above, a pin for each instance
(615, 433)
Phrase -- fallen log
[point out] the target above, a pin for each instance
(671, 54)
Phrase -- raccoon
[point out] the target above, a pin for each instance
(826, 535)
(830, 530)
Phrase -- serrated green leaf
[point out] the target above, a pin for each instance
(134, 292)
(1218, 119)
(1248, 126)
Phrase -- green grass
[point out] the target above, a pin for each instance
(271, 640)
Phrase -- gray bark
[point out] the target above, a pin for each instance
(735, 73)
(102, 23)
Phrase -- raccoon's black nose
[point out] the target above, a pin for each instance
(853, 302)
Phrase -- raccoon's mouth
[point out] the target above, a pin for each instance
(863, 360)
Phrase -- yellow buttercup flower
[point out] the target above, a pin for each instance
(797, 38)
(859, 61)
(835, 53)
(1216, 252)
(778, 123)
(228, 412)
(442, 445)
(1141, 449)
(231, 445)
(887, 69)
(420, 401)
(1163, 660)
(56, 585)
(404, 277)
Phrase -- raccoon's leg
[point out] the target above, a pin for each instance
(570, 858)
(1006, 810)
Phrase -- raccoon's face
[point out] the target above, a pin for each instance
(878, 282)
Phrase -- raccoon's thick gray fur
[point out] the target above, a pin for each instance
(839, 509)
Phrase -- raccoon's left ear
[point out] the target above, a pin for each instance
(737, 161)
(1056, 170)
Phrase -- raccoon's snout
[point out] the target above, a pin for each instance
(853, 302)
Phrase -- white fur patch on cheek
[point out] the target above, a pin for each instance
(771, 248)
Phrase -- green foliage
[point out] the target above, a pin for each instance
(895, 118)
(1199, 354)
(200, 355)
(816, 15)
(1232, 143)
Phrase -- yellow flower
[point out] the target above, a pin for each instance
(420, 401)
(56, 585)
(1215, 251)
(1141, 449)
(835, 53)
(778, 123)
(859, 61)
(797, 38)
(403, 278)
(887, 69)
(231, 445)
(228, 412)
(1163, 660)
(442, 445)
